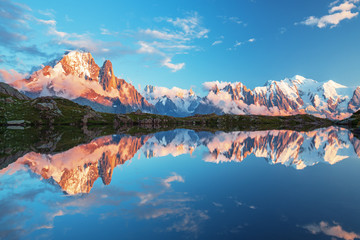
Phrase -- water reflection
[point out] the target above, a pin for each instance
(76, 169)
(171, 185)
(332, 230)
(290, 148)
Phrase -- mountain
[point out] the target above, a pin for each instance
(7, 90)
(297, 95)
(175, 102)
(76, 76)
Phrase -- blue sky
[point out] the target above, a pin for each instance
(185, 43)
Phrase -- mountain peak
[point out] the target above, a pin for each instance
(80, 64)
(106, 76)
(76, 52)
(76, 76)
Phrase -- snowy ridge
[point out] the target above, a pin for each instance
(76, 76)
(297, 95)
(174, 101)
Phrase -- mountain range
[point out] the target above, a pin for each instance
(77, 77)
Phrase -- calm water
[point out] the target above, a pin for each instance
(184, 184)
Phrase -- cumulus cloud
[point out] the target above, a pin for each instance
(334, 230)
(339, 11)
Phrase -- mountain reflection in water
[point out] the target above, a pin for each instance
(76, 170)
(184, 184)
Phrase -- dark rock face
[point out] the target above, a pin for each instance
(354, 103)
(8, 90)
(107, 77)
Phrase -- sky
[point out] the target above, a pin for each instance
(188, 42)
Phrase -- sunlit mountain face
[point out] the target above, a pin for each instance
(77, 169)
(76, 76)
(187, 184)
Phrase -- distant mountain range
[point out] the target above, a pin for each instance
(76, 76)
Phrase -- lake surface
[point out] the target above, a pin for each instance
(184, 184)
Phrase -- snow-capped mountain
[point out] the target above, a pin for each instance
(297, 95)
(76, 76)
(174, 102)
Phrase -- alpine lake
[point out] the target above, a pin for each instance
(179, 184)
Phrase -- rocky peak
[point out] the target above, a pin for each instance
(191, 92)
(149, 89)
(354, 103)
(80, 64)
(106, 76)
(8, 90)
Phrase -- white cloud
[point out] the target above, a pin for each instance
(337, 13)
(163, 35)
(208, 86)
(216, 42)
(177, 38)
(251, 40)
(190, 25)
(105, 31)
(174, 67)
(146, 48)
(47, 22)
(237, 44)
